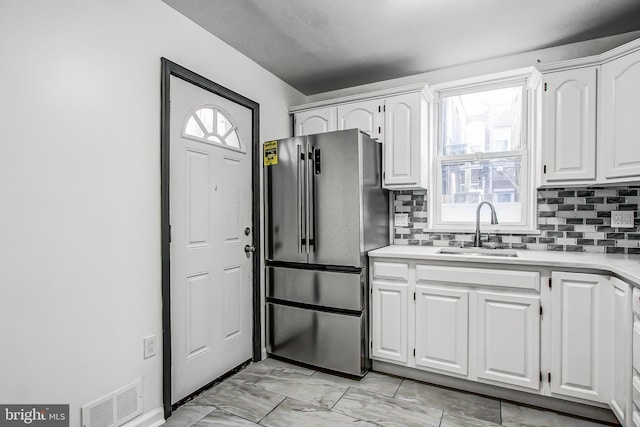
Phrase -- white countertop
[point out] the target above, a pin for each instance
(626, 267)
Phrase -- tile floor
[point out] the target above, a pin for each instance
(275, 393)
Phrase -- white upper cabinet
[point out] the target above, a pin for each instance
(569, 125)
(620, 117)
(364, 115)
(399, 118)
(406, 120)
(579, 336)
(587, 137)
(315, 121)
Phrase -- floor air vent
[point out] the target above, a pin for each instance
(114, 409)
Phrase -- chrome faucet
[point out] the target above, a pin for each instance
(494, 220)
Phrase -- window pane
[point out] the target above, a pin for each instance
(482, 122)
(465, 184)
(223, 124)
(193, 129)
(232, 140)
(206, 117)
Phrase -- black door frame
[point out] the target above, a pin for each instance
(172, 69)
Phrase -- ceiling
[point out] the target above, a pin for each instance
(322, 45)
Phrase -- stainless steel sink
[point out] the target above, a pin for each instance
(507, 253)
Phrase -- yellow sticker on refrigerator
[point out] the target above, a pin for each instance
(270, 153)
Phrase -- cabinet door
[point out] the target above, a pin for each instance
(365, 115)
(442, 331)
(622, 335)
(404, 147)
(569, 125)
(619, 109)
(578, 335)
(389, 321)
(509, 339)
(315, 121)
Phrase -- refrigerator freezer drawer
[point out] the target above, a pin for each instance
(322, 288)
(327, 340)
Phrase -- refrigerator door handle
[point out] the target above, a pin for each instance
(299, 196)
(311, 193)
(307, 194)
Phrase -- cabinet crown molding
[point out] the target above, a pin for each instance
(593, 60)
(418, 87)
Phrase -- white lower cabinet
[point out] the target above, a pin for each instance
(509, 339)
(621, 333)
(580, 338)
(389, 326)
(570, 339)
(442, 328)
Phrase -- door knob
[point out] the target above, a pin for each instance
(249, 248)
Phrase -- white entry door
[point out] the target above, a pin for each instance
(211, 219)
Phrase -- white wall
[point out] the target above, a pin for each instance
(80, 187)
(489, 66)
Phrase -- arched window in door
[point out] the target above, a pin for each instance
(211, 124)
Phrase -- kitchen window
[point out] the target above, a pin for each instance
(484, 148)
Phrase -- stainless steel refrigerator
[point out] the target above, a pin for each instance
(325, 209)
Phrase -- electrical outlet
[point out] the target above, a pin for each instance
(150, 346)
(622, 219)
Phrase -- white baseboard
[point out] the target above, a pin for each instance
(153, 418)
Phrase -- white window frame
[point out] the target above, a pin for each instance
(530, 79)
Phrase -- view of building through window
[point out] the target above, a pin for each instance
(481, 154)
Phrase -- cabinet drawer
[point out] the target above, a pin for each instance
(636, 345)
(479, 276)
(390, 270)
(636, 301)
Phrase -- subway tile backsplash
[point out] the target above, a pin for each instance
(569, 219)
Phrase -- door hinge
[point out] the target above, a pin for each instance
(544, 169)
(540, 376)
(414, 296)
(371, 344)
(549, 377)
(549, 282)
(540, 310)
(545, 87)
(383, 175)
(414, 352)
(169, 233)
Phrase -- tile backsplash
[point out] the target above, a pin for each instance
(569, 219)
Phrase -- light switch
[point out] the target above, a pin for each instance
(401, 220)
